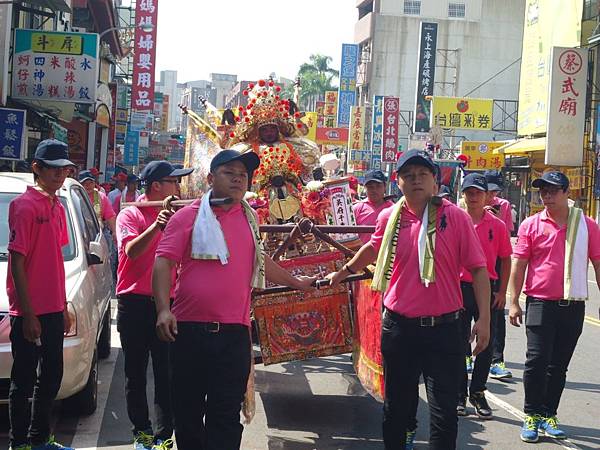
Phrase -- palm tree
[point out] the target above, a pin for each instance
(316, 77)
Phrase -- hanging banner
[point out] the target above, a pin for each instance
(12, 133)
(48, 65)
(356, 139)
(310, 120)
(425, 75)
(566, 107)
(462, 113)
(131, 152)
(391, 117)
(330, 109)
(480, 155)
(142, 90)
(547, 23)
(320, 109)
(347, 90)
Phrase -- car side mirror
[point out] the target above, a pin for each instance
(95, 254)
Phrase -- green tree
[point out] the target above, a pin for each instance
(316, 77)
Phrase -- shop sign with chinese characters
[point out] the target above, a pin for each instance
(356, 139)
(347, 90)
(391, 117)
(142, 92)
(320, 109)
(12, 133)
(330, 109)
(425, 75)
(464, 113)
(481, 155)
(55, 66)
(566, 110)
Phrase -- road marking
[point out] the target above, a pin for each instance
(88, 428)
(564, 443)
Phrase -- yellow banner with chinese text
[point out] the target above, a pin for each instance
(330, 109)
(356, 139)
(480, 155)
(62, 43)
(310, 120)
(465, 113)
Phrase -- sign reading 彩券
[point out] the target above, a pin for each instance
(463, 113)
(49, 65)
(566, 107)
(12, 133)
(347, 90)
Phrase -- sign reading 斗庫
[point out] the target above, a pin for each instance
(142, 91)
(347, 90)
(55, 66)
(425, 75)
(480, 155)
(12, 133)
(391, 118)
(465, 113)
(566, 107)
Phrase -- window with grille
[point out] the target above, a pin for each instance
(412, 7)
(456, 10)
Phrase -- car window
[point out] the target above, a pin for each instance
(69, 251)
(88, 223)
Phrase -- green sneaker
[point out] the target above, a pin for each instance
(549, 427)
(143, 441)
(163, 445)
(530, 428)
(22, 447)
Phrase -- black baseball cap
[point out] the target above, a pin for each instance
(444, 191)
(474, 180)
(554, 178)
(157, 170)
(248, 159)
(53, 153)
(494, 179)
(86, 175)
(414, 156)
(375, 175)
(132, 178)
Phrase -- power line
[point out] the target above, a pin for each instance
(492, 77)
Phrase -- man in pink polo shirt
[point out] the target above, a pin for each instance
(35, 285)
(556, 287)
(367, 211)
(421, 244)
(130, 193)
(219, 258)
(139, 232)
(495, 242)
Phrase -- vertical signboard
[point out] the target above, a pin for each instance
(391, 117)
(12, 133)
(377, 132)
(320, 110)
(330, 109)
(131, 151)
(347, 90)
(356, 139)
(142, 92)
(5, 28)
(48, 65)
(566, 107)
(164, 122)
(597, 174)
(425, 75)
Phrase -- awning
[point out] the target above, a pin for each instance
(54, 5)
(523, 146)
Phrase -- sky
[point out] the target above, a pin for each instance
(249, 38)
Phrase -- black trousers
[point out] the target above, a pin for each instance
(498, 337)
(210, 375)
(552, 335)
(410, 351)
(136, 323)
(25, 380)
(483, 361)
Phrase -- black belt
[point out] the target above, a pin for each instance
(217, 327)
(559, 302)
(425, 321)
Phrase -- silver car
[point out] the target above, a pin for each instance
(89, 287)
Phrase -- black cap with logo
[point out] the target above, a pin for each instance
(157, 170)
(474, 180)
(248, 159)
(554, 178)
(53, 153)
(375, 175)
(420, 157)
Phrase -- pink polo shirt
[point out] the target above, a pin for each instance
(456, 246)
(106, 209)
(129, 196)
(366, 213)
(505, 212)
(495, 242)
(134, 276)
(38, 230)
(208, 291)
(542, 242)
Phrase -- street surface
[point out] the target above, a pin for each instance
(319, 404)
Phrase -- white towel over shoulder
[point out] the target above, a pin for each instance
(208, 241)
(579, 263)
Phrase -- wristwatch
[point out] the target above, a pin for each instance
(348, 269)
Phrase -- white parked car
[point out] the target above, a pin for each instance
(89, 287)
